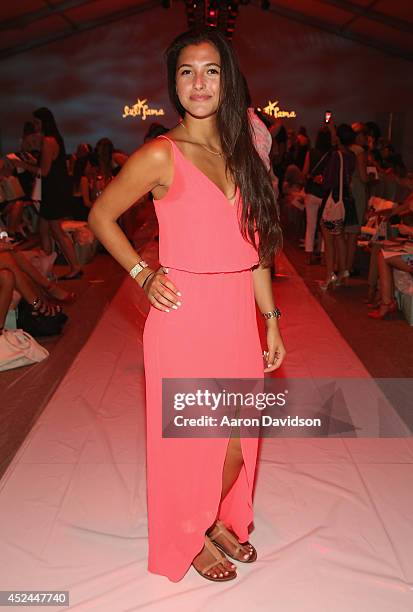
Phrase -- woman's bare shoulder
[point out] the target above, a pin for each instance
(153, 161)
(156, 151)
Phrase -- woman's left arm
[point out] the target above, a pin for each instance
(263, 296)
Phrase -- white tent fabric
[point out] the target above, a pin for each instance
(333, 517)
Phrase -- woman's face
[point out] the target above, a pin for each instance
(198, 79)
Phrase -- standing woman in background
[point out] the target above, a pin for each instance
(56, 190)
(218, 231)
(337, 178)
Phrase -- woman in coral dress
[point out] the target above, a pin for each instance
(214, 252)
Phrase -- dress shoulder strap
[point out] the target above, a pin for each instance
(173, 144)
(166, 138)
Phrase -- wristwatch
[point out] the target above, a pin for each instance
(276, 313)
(138, 268)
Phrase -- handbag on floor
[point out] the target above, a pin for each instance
(38, 324)
(334, 212)
(18, 348)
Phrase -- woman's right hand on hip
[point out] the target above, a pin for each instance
(161, 292)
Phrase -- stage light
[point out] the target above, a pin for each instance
(220, 14)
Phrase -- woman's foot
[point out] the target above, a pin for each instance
(59, 294)
(330, 282)
(383, 311)
(213, 565)
(41, 306)
(342, 279)
(224, 539)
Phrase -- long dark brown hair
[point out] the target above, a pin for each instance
(259, 209)
(49, 125)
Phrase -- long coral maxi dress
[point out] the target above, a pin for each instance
(212, 335)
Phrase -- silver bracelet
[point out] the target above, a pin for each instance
(276, 313)
(137, 268)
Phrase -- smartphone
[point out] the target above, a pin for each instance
(327, 116)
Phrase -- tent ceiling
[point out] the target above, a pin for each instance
(386, 25)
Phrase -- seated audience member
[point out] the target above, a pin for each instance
(403, 212)
(12, 199)
(387, 260)
(38, 303)
(28, 276)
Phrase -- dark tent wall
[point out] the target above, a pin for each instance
(88, 78)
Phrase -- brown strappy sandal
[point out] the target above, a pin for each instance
(219, 558)
(218, 529)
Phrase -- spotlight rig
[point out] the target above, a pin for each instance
(221, 14)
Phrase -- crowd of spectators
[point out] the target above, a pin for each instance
(41, 186)
(355, 165)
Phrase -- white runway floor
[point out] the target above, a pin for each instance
(333, 517)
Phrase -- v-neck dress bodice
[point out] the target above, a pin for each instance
(199, 227)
